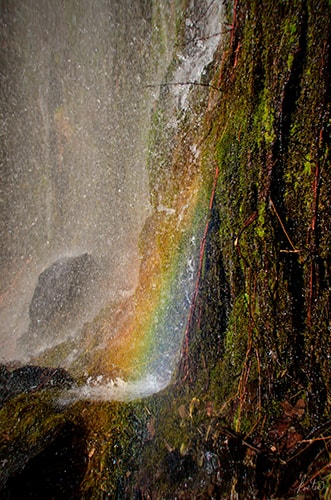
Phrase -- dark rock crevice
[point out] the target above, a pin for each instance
(56, 472)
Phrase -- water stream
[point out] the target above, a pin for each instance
(79, 81)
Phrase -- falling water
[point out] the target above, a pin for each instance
(74, 129)
(75, 118)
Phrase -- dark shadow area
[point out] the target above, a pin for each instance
(56, 473)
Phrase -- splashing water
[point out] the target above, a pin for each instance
(101, 389)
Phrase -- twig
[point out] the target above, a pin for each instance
(307, 442)
(260, 379)
(283, 227)
(234, 21)
(310, 441)
(247, 223)
(205, 38)
(185, 347)
(234, 435)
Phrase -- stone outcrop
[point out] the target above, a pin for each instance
(30, 378)
(62, 291)
(60, 287)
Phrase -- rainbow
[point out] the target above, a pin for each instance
(151, 328)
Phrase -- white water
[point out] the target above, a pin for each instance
(120, 390)
(202, 38)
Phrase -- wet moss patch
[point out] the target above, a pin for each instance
(259, 338)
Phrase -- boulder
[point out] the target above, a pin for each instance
(31, 378)
(62, 294)
(60, 288)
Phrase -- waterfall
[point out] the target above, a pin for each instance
(79, 81)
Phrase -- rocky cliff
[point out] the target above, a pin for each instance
(247, 414)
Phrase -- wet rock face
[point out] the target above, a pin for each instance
(30, 378)
(63, 292)
(60, 287)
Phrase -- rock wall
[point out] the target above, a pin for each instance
(248, 415)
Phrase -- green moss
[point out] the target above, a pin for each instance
(115, 436)
(27, 423)
(247, 137)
